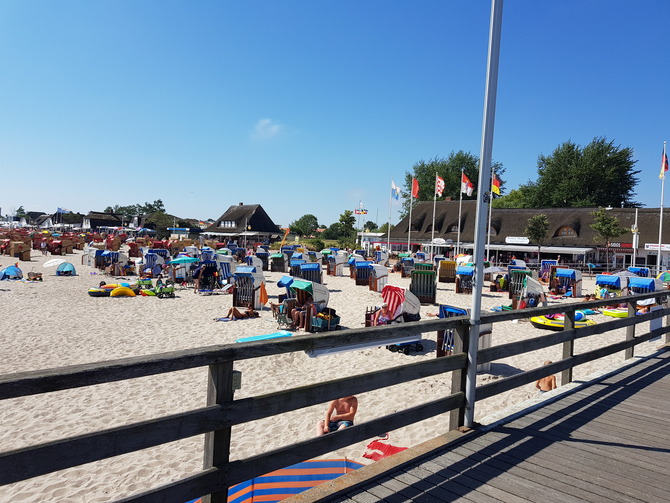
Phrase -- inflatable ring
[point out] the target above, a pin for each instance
(557, 323)
(98, 292)
(122, 291)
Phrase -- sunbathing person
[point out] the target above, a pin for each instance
(236, 314)
(339, 415)
(382, 316)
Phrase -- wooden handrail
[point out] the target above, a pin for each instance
(223, 412)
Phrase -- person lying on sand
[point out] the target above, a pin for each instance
(236, 314)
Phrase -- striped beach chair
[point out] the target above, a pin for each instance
(423, 284)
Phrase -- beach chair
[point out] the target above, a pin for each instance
(516, 281)
(464, 278)
(294, 268)
(609, 285)
(407, 266)
(284, 320)
(279, 262)
(447, 271)
(265, 260)
(569, 280)
(378, 277)
(311, 272)
(335, 264)
(643, 272)
(445, 338)
(423, 284)
(362, 271)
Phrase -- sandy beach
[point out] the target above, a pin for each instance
(54, 323)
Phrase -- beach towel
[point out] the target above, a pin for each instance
(231, 319)
(377, 450)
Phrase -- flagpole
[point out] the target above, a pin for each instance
(488, 228)
(409, 227)
(432, 232)
(388, 229)
(660, 220)
(460, 208)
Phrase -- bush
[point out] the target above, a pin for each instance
(315, 245)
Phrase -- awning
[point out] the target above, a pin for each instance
(533, 249)
(616, 250)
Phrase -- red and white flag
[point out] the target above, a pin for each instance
(439, 185)
(664, 164)
(466, 185)
(415, 188)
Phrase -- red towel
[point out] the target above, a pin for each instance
(378, 450)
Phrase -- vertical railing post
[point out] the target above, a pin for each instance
(459, 377)
(569, 345)
(630, 331)
(220, 391)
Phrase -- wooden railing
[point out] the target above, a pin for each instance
(223, 411)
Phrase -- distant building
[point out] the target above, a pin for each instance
(569, 235)
(244, 223)
(98, 219)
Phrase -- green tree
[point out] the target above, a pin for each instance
(20, 212)
(333, 232)
(599, 174)
(370, 226)
(347, 221)
(515, 199)
(384, 228)
(449, 170)
(607, 227)
(537, 231)
(305, 225)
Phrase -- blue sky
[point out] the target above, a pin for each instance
(310, 106)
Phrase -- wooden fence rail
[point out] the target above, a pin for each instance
(223, 411)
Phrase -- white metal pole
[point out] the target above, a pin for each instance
(482, 200)
(660, 219)
(488, 226)
(460, 209)
(432, 231)
(409, 226)
(388, 229)
(635, 238)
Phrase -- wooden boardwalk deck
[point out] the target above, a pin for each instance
(608, 441)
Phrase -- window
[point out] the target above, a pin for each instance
(227, 224)
(566, 231)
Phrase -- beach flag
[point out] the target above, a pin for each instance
(415, 188)
(395, 190)
(439, 185)
(664, 164)
(263, 294)
(495, 185)
(466, 185)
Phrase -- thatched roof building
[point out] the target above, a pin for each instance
(244, 222)
(569, 232)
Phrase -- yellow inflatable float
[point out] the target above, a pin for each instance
(122, 291)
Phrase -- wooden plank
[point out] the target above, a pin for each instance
(528, 451)
(565, 463)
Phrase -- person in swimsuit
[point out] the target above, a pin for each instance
(546, 383)
(339, 415)
(236, 314)
(382, 316)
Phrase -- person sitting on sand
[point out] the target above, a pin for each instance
(546, 383)
(339, 415)
(236, 314)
